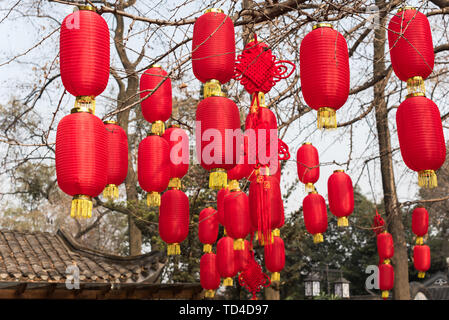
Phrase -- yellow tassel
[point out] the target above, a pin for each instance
(419, 241)
(85, 102)
(153, 199)
(212, 88)
(224, 232)
(209, 294)
(416, 85)
(309, 187)
(81, 207)
(218, 179)
(386, 261)
(207, 248)
(327, 118)
(227, 282)
(427, 179)
(262, 239)
(173, 249)
(342, 222)
(158, 127)
(110, 192)
(233, 185)
(385, 294)
(275, 277)
(421, 275)
(239, 244)
(175, 183)
(318, 238)
(276, 232)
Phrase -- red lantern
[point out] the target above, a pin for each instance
(209, 276)
(275, 258)
(243, 168)
(213, 50)
(308, 165)
(81, 157)
(411, 47)
(420, 223)
(226, 262)
(315, 215)
(208, 228)
(386, 279)
(237, 220)
(243, 257)
(385, 247)
(421, 137)
(117, 158)
(84, 53)
(156, 105)
(220, 205)
(178, 143)
(218, 118)
(421, 259)
(174, 219)
(153, 167)
(341, 196)
(324, 72)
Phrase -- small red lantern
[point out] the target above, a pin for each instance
(153, 167)
(218, 118)
(386, 279)
(243, 168)
(421, 137)
(243, 257)
(411, 47)
(275, 258)
(84, 53)
(420, 224)
(237, 220)
(156, 105)
(226, 262)
(117, 158)
(209, 276)
(421, 259)
(208, 228)
(315, 215)
(385, 247)
(178, 143)
(220, 205)
(308, 165)
(324, 72)
(174, 219)
(341, 196)
(81, 159)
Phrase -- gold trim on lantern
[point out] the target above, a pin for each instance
(421, 275)
(153, 199)
(307, 143)
(81, 206)
(156, 65)
(419, 241)
(339, 170)
(427, 179)
(209, 294)
(309, 187)
(207, 248)
(262, 238)
(275, 277)
(173, 249)
(216, 10)
(318, 238)
(406, 8)
(233, 185)
(110, 122)
(110, 192)
(88, 8)
(326, 118)
(228, 282)
(276, 232)
(313, 192)
(158, 127)
(212, 88)
(262, 101)
(385, 294)
(239, 244)
(416, 85)
(322, 25)
(174, 183)
(224, 232)
(218, 179)
(386, 261)
(85, 102)
(343, 222)
(415, 94)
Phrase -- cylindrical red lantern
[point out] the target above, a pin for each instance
(178, 144)
(275, 258)
(156, 92)
(208, 228)
(237, 219)
(217, 119)
(421, 137)
(242, 257)
(153, 167)
(221, 194)
(226, 262)
(308, 165)
(315, 215)
(341, 196)
(81, 159)
(209, 276)
(324, 72)
(277, 232)
(213, 50)
(385, 247)
(386, 279)
(117, 158)
(174, 219)
(411, 47)
(420, 224)
(421, 259)
(84, 53)
(243, 168)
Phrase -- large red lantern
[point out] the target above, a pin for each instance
(218, 118)
(84, 54)
(308, 165)
(81, 159)
(209, 276)
(221, 194)
(324, 72)
(275, 258)
(341, 196)
(421, 259)
(386, 279)
(421, 137)
(315, 215)
(237, 219)
(208, 228)
(174, 219)
(156, 92)
(411, 47)
(226, 262)
(243, 257)
(420, 224)
(385, 247)
(178, 143)
(153, 167)
(213, 50)
(117, 158)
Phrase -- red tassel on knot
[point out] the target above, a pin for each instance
(253, 278)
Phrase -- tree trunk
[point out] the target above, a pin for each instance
(272, 292)
(393, 213)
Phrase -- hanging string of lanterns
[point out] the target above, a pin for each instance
(421, 252)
